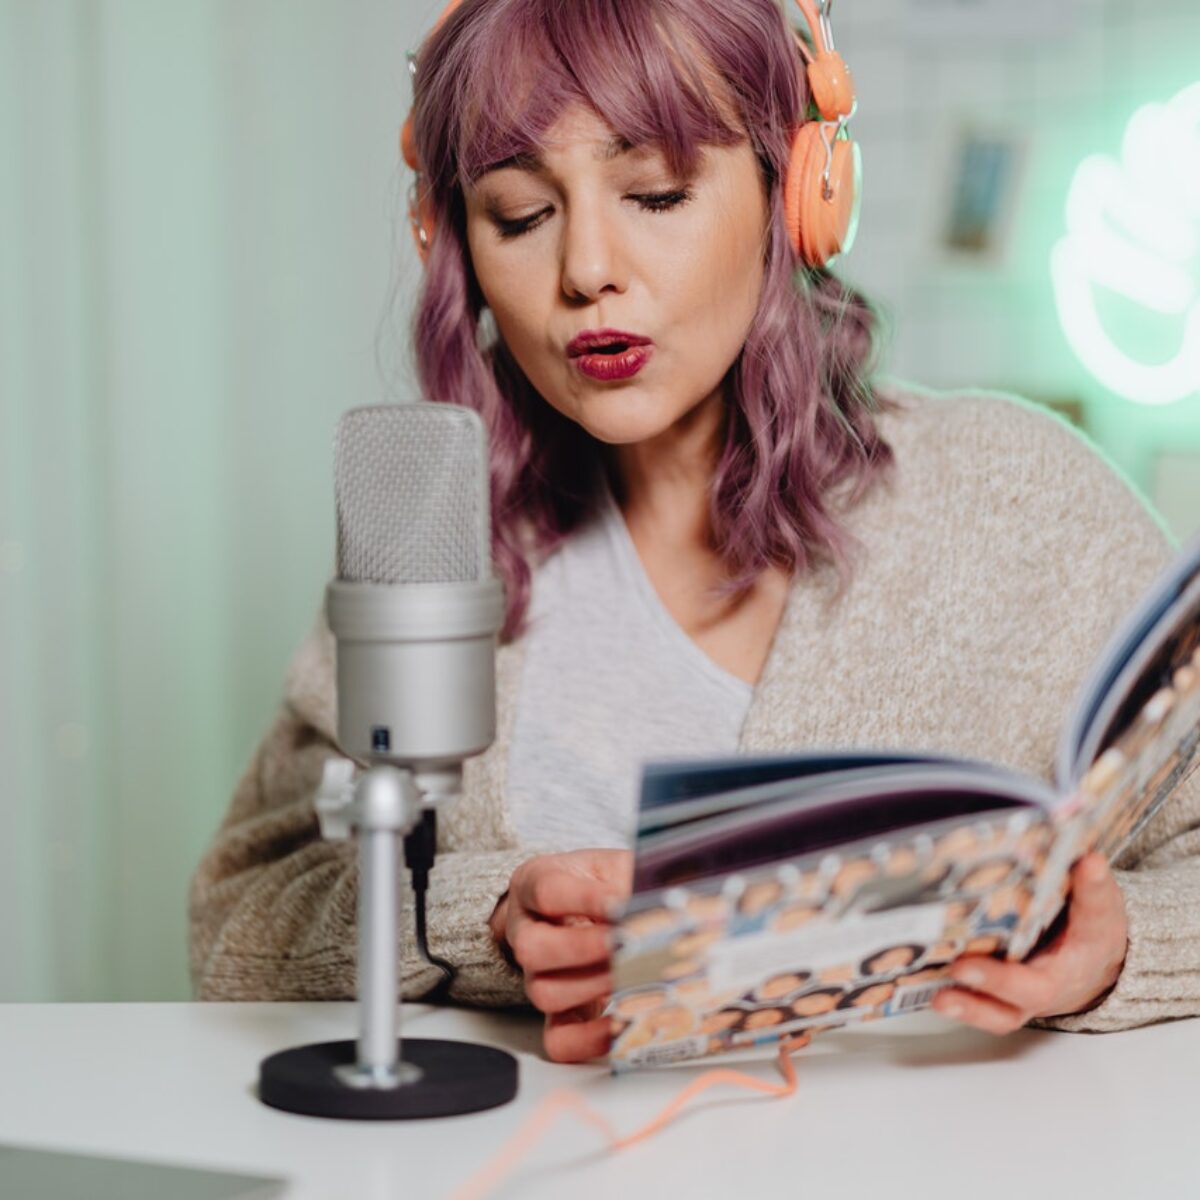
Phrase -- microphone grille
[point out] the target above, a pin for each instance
(411, 490)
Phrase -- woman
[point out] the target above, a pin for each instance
(717, 532)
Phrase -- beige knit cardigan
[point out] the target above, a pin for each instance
(998, 561)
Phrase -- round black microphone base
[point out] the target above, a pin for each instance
(456, 1077)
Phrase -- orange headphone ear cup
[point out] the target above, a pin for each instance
(408, 144)
(831, 85)
(420, 218)
(821, 228)
(420, 209)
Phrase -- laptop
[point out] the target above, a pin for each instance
(30, 1174)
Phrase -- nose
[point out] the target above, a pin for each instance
(593, 257)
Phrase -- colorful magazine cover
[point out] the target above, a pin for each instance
(803, 892)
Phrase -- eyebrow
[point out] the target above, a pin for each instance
(533, 163)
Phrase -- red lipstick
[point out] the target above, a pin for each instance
(609, 354)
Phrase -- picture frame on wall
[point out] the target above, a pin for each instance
(983, 183)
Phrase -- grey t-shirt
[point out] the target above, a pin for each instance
(609, 680)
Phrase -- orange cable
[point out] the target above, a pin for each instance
(486, 1179)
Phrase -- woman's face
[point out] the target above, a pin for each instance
(595, 235)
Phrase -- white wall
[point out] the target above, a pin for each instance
(1067, 77)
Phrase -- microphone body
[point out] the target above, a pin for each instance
(415, 607)
(416, 674)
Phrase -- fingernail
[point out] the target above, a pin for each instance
(971, 976)
(953, 1009)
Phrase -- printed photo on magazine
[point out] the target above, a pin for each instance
(803, 892)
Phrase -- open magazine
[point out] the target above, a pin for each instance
(802, 892)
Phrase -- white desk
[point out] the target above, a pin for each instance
(941, 1110)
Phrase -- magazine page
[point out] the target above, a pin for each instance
(1170, 604)
(731, 782)
(677, 792)
(814, 941)
(792, 817)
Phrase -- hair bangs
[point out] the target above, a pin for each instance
(633, 62)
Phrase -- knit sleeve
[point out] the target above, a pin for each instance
(273, 906)
(1117, 548)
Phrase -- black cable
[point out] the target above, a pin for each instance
(419, 849)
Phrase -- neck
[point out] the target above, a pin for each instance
(662, 484)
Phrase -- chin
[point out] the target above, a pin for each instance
(625, 420)
(625, 433)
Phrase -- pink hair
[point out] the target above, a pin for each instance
(491, 81)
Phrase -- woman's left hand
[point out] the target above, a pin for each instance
(1068, 975)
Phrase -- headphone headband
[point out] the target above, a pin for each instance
(818, 17)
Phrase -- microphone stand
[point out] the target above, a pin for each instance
(370, 1079)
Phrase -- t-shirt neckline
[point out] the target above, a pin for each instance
(628, 555)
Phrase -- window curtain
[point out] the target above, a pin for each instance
(202, 263)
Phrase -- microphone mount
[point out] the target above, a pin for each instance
(383, 807)
(371, 1079)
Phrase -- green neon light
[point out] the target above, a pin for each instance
(1133, 229)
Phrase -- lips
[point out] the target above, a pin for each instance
(604, 341)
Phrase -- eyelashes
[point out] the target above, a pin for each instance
(654, 202)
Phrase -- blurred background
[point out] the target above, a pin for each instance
(204, 260)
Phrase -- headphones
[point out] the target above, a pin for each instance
(822, 186)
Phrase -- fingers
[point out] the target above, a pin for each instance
(562, 991)
(539, 946)
(992, 1016)
(553, 923)
(1097, 905)
(1023, 988)
(555, 893)
(565, 966)
(577, 1035)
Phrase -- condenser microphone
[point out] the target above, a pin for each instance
(415, 607)
(415, 611)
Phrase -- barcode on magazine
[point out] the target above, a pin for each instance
(660, 1056)
(908, 999)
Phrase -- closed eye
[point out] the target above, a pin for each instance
(655, 202)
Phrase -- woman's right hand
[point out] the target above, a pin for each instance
(554, 923)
